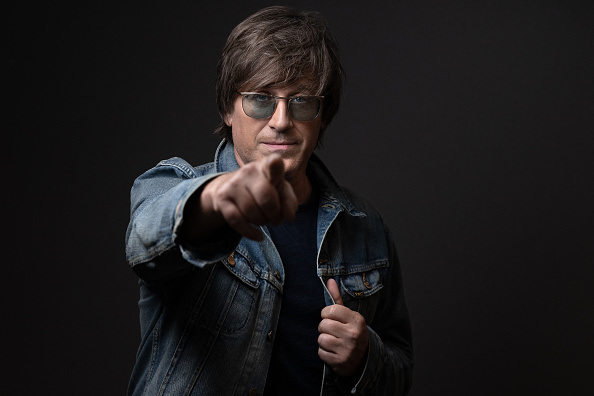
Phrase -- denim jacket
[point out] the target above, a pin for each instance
(208, 314)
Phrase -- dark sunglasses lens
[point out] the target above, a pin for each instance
(258, 106)
(304, 108)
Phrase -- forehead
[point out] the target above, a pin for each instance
(304, 86)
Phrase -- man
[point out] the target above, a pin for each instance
(258, 273)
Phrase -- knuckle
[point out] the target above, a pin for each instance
(358, 320)
(267, 202)
(233, 217)
(334, 309)
(244, 175)
(353, 335)
(226, 191)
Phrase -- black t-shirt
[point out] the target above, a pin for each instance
(295, 367)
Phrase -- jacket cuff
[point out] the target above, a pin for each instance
(375, 357)
(211, 251)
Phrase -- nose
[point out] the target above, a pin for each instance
(281, 119)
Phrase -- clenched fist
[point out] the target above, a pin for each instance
(344, 338)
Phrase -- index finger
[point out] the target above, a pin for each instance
(274, 168)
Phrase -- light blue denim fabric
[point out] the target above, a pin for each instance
(208, 314)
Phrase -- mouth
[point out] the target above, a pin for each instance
(279, 145)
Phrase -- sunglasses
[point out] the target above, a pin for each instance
(301, 108)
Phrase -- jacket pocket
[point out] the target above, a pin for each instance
(360, 289)
(229, 303)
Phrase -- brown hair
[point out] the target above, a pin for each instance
(278, 46)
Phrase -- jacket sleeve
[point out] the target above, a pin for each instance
(388, 370)
(158, 198)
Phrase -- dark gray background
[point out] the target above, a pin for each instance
(467, 123)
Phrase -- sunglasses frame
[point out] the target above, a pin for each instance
(276, 98)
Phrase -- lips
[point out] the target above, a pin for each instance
(279, 145)
(278, 142)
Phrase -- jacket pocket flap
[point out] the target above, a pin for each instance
(239, 266)
(364, 283)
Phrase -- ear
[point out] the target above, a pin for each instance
(228, 119)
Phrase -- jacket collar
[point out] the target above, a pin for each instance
(225, 158)
(329, 190)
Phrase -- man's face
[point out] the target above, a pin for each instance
(293, 140)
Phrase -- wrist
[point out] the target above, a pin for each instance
(200, 219)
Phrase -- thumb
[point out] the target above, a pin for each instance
(334, 292)
(275, 169)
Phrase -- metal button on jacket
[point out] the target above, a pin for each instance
(231, 259)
